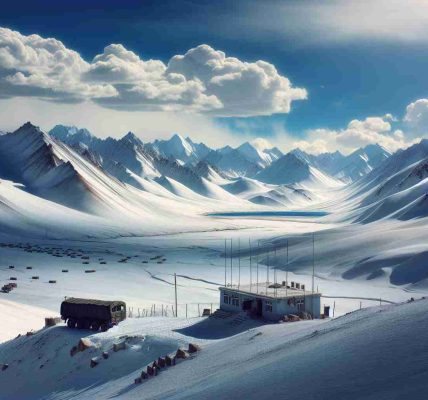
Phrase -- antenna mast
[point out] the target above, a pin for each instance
(239, 263)
(251, 267)
(225, 264)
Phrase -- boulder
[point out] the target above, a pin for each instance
(161, 362)
(181, 354)
(138, 380)
(144, 375)
(94, 362)
(168, 361)
(293, 318)
(150, 370)
(4, 367)
(193, 348)
(84, 343)
(105, 355)
(119, 345)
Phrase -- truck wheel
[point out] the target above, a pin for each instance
(80, 324)
(71, 323)
(95, 326)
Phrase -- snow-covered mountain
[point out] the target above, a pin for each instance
(32, 158)
(232, 162)
(348, 168)
(291, 169)
(361, 162)
(73, 136)
(396, 189)
(259, 153)
(74, 168)
(181, 149)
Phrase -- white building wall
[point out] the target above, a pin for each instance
(272, 309)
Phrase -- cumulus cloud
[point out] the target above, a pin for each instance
(416, 117)
(34, 66)
(202, 80)
(243, 88)
(358, 133)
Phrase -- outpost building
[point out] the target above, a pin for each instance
(270, 301)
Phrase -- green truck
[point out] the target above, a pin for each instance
(92, 314)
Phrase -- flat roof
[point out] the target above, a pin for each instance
(263, 290)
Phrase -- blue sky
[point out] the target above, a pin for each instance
(351, 70)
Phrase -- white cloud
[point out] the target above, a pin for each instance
(358, 133)
(202, 80)
(243, 88)
(416, 117)
(34, 66)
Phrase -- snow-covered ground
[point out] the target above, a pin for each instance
(375, 353)
(137, 219)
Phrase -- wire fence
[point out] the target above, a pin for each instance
(186, 310)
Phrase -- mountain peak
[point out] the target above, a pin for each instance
(131, 137)
(29, 126)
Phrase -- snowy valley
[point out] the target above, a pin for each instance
(137, 213)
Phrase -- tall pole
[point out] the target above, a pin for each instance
(286, 273)
(225, 264)
(267, 273)
(175, 288)
(239, 263)
(274, 271)
(313, 271)
(231, 262)
(257, 267)
(313, 262)
(251, 267)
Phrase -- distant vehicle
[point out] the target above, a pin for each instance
(92, 314)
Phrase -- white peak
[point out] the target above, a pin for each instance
(261, 144)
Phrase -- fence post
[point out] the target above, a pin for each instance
(360, 305)
(211, 308)
(186, 310)
(199, 311)
(334, 307)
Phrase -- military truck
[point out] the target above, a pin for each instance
(92, 314)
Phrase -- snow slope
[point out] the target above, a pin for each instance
(377, 353)
(290, 169)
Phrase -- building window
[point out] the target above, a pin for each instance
(226, 298)
(235, 301)
(268, 306)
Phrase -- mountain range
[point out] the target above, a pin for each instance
(152, 182)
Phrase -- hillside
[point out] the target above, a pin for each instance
(360, 355)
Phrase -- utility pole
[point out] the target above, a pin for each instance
(225, 266)
(251, 269)
(274, 271)
(231, 262)
(175, 289)
(267, 273)
(313, 262)
(257, 269)
(313, 270)
(239, 263)
(286, 273)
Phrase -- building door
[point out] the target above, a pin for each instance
(259, 309)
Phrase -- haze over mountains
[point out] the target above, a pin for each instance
(69, 167)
